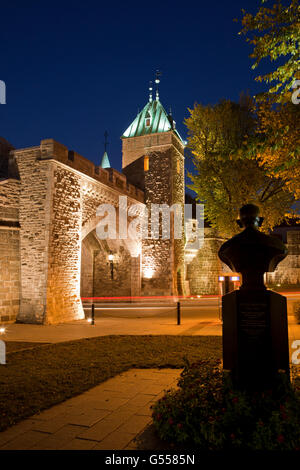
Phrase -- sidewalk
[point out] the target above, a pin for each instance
(110, 326)
(107, 417)
(122, 326)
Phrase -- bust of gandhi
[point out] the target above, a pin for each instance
(251, 252)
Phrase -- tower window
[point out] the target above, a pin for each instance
(178, 166)
(148, 119)
(146, 163)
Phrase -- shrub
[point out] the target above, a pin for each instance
(207, 413)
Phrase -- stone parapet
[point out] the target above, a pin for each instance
(50, 149)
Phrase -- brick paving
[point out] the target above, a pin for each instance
(106, 417)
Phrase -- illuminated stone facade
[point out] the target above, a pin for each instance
(287, 273)
(42, 247)
(51, 255)
(163, 183)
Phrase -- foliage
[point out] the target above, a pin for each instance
(228, 171)
(277, 145)
(274, 33)
(206, 412)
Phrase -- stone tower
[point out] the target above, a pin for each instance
(153, 160)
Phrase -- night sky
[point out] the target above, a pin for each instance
(75, 69)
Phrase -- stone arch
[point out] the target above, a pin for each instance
(101, 278)
(96, 278)
(89, 226)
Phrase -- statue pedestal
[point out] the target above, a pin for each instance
(255, 337)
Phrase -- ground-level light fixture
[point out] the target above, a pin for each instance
(111, 263)
(91, 319)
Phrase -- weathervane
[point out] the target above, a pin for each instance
(157, 81)
(105, 141)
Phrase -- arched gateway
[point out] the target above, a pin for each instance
(51, 255)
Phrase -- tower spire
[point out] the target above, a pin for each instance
(157, 81)
(105, 163)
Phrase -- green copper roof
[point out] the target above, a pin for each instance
(105, 163)
(151, 120)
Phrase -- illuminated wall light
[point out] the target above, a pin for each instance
(221, 278)
(2, 330)
(148, 273)
(235, 278)
(146, 163)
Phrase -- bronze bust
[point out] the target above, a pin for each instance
(251, 252)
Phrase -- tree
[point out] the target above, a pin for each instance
(277, 145)
(226, 176)
(275, 34)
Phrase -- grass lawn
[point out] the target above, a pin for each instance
(44, 375)
(12, 346)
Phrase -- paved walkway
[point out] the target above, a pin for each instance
(159, 325)
(112, 326)
(107, 417)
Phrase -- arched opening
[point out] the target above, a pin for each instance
(106, 268)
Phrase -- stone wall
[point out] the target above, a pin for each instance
(63, 287)
(49, 149)
(60, 192)
(9, 250)
(158, 254)
(120, 285)
(9, 274)
(35, 215)
(96, 278)
(287, 273)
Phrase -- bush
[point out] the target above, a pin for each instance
(207, 413)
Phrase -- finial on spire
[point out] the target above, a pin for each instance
(105, 141)
(157, 81)
(105, 163)
(150, 92)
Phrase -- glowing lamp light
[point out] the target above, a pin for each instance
(89, 320)
(148, 273)
(235, 278)
(2, 330)
(110, 257)
(221, 278)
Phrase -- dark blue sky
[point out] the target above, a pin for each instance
(75, 69)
